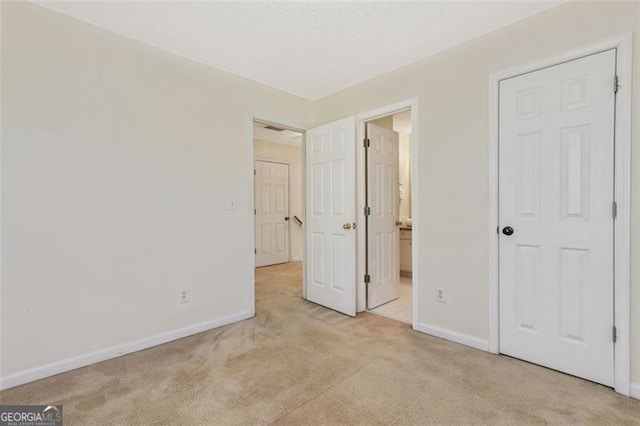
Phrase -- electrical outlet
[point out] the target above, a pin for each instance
(184, 296)
(441, 295)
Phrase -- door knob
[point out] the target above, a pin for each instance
(286, 218)
(507, 230)
(346, 226)
(398, 222)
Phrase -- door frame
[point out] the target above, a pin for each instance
(286, 163)
(250, 120)
(361, 120)
(622, 194)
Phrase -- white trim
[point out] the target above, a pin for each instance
(453, 336)
(361, 247)
(634, 390)
(303, 252)
(410, 104)
(622, 232)
(69, 364)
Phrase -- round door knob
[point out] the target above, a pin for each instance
(507, 230)
(286, 218)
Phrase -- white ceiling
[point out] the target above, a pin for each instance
(309, 49)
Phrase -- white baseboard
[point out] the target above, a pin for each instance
(296, 259)
(634, 390)
(454, 336)
(58, 367)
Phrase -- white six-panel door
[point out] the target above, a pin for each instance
(556, 193)
(330, 208)
(383, 200)
(271, 200)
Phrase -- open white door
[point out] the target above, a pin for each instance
(556, 194)
(330, 206)
(383, 263)
(271, 200)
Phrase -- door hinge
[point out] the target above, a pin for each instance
(616, 84)
(614, 209)
(367, 278)
(255, 251)
(366, 143)
(254, 172)
(254, 211)
(615, 334)
(367, 211)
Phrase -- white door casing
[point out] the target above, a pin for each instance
(330, 207)
(556, 188)
(271, 212)
(382, 230)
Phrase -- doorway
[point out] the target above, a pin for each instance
(278, 194)
(337, 233)
(388, 220)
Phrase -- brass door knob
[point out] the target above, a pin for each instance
(346, 226)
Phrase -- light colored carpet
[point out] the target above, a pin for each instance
(298, 363)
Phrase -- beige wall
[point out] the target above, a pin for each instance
(452, 88)
(404, 173)
(384, 122)
(118, 162)
(265, 150)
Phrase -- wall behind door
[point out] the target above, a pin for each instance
(404, 173)
(452, 89)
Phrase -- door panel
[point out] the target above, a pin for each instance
(330, 186)
(271, 212)
(383, 199)
(556, 192)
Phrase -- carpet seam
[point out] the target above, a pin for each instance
(325, 390)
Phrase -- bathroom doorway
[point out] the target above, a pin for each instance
(388, 216)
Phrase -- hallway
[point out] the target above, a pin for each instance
(299, 363)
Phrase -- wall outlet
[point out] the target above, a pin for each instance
(184, 296)
(441, 295)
